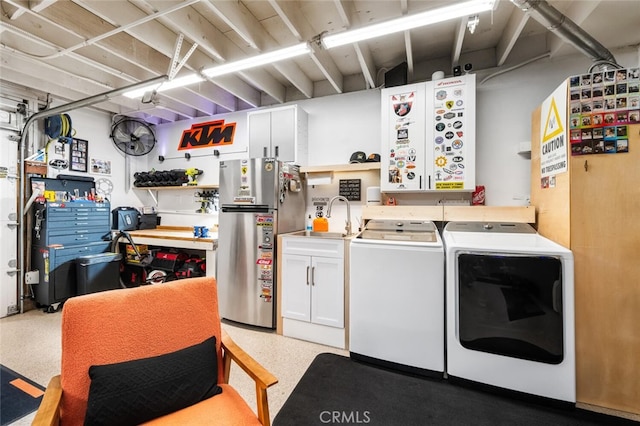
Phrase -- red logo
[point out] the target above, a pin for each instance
(205, 135)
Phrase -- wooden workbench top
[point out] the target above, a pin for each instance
(174, 233)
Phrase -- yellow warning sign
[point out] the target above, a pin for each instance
(553, 124)
(553, 146)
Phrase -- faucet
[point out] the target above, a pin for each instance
(348, 221)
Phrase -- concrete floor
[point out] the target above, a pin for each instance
(30, 345)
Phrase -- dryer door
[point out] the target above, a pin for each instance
(511, 305)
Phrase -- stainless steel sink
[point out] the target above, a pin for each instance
(327, 234)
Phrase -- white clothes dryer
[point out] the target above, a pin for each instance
(510, 309)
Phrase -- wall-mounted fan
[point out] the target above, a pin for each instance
(133, 136)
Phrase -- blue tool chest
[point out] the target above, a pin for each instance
(63, 232)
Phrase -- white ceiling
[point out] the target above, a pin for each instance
(74, 49)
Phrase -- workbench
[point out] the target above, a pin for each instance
(180, 237)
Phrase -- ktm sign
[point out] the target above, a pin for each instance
(209, 134)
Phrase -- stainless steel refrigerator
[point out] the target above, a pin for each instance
(259, 198)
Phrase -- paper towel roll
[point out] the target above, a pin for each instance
(373, 196)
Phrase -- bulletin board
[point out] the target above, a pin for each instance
(79, 151)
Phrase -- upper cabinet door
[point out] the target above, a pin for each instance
(259, 135)
(451, 133)
(283, 134)
(403, 139)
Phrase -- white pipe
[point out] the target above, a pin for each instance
(497, 73)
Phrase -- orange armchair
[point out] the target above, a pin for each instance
(130, 327)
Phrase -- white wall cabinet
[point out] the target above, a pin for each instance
(313, 289)
(428, 136)
(279, 132)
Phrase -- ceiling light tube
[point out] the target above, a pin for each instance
(171, 84)
(408, 22)
(258, 60)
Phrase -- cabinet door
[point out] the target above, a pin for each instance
(259, 135)
(296, 276)
(327, 291)
(403, 139)
(450, 133)
(283, 134)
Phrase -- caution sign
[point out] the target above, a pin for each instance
(554, 147)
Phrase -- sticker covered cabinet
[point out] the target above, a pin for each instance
(428, 136)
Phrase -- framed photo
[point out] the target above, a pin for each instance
(101, 167)
(79, 149)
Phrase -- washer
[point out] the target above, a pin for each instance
(396, 298)
(510, 309)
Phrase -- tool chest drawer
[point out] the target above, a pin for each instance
(69, 223)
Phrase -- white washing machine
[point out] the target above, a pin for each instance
(510, 309)
(396, 297)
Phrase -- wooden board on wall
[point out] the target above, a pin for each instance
(521, 214)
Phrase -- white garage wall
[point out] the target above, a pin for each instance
(342, 124)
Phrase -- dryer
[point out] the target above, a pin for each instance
(510, 309)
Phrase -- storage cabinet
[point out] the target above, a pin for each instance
(64, 231)
(428, 136)
(587, 211)
(280, 133)
(313, 289)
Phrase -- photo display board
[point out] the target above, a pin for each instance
(601, 107)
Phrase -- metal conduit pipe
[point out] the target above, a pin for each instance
(92, 100)
(565, 28)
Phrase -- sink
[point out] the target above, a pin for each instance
(327, 234)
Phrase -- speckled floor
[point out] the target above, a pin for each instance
(30, 345)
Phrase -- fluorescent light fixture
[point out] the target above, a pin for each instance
(172, 84)
(258, 60)
(408, 22)
(228, 68)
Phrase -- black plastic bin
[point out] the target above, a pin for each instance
(98, 272)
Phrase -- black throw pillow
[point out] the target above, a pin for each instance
(132, 392)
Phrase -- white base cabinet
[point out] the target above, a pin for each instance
(313, 289)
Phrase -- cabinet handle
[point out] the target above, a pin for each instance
(264, 151)
(307, 275)
(313, 277)
(277, 151)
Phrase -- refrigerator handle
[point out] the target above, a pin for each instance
(277, 151)
(313, 278)
(307, 275)
(264, 151)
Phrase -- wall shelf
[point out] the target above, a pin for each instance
(356, 167)
(185, 187)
